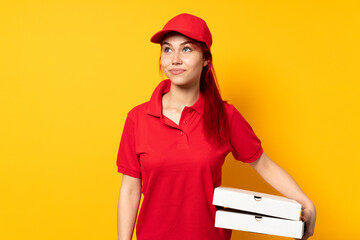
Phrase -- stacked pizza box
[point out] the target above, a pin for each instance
(257, 212)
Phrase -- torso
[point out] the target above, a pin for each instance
(179, 167)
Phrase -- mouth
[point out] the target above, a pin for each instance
(176, 71)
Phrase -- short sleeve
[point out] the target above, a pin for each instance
(127, 160)
(246, 146)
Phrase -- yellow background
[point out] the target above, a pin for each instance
(71, 70)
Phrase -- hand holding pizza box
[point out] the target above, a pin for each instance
(257, 212)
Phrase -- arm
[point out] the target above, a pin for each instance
(129, 199)
(279, 179)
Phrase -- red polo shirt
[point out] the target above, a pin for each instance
(179, 168)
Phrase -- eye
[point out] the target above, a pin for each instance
(187, 49)
(167, 49)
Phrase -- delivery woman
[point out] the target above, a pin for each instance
(173, 146)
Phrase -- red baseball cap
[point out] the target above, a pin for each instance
(188, 25)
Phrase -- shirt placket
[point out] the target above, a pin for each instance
(183, 141)
(182, 129)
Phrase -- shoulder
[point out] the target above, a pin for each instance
(138, 111)
(229, 106)
(230, 109)
(233, 113)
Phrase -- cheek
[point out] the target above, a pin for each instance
(164, 60)
(197, 65)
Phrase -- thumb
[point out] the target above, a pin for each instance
(305, 216)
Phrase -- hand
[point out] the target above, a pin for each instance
(308, 215)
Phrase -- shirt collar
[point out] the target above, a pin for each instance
(155, 103)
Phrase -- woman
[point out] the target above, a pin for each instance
(173, 146)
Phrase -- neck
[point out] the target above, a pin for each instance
(179, 97)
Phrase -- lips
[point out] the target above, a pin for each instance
(176, 71)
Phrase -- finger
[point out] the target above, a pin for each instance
(309, 230)
(305, 216)
(305, 237)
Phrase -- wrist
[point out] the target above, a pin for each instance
(308, 205)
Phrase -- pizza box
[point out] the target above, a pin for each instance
(259, 203)
(259, 224)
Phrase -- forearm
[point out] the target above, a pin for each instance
(127, 211)
(279, 179)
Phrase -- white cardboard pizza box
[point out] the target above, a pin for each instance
(259, 224)
(260, 203)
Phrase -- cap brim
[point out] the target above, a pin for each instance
(157, 37)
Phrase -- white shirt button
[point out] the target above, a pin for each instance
(182, 133)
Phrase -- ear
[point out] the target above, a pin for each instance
(206, 62)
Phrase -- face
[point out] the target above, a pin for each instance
(181, 60)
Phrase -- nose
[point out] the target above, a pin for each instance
(176, 60)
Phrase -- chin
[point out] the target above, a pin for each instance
(182, 83)
(175, 79)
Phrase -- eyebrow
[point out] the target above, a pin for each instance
(180, 43)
